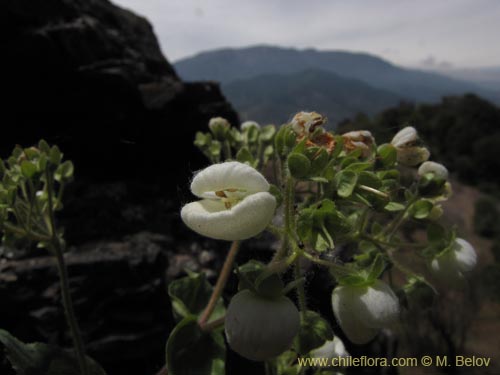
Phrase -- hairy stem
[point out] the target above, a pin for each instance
(220, 284)
(64, 282)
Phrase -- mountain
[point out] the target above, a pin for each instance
(248, 75)
(272, 98)
(487, 77)
(228, 65)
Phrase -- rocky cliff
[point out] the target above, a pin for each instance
(90, 76)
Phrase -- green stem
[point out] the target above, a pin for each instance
(301, 292)
(210, 326)
(374, 191)
(394, 226)
(338, 270)
(64, 282)
(220, 284)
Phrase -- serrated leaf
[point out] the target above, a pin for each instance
(314, 331)
(185, 340)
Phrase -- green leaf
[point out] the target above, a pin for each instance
(64, 171)
(190, 295)
(359, 167)
(394, 207)
(345, 181)
(267, 133)
(299, 165)
(319, 161)
(369, 179)
(44, 146)
(377, 268)
(339, 146)
(55, 155)
(421, 209)
(192, 351)
(245, 156)
(42, 359)
(28, 168)
(314, 331)
(388, 155)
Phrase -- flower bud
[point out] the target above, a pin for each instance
(439, 170)
(260, 328)
(409, 153)
(235, 203)
(249, 124)
(219, 127)
(362, 311)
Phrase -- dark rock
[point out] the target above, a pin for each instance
(90, 76)
(119, 292)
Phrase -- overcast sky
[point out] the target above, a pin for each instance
(425, 33)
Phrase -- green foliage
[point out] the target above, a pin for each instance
(190, 295)
(42, 359)
(314, 331)
(462, 132)
(188, 340)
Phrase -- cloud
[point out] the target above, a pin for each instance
(463, 32)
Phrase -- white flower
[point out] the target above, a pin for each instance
(454, 263)
(330, 349)
(362, 311)
(405, 137)
(439, 170)
(235, 203)
(260, 328)
(408, 152)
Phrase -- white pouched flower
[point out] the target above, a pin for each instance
(331, 349)
(235, 205)
(439, 170)
(408, 153)
(362, 311)
(452, 265)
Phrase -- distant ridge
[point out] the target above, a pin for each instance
(246, 64)
(272, 98)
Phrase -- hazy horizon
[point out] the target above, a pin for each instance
(450, 34)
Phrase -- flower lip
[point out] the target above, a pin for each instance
(362, 311)
(235, 203)
(211, 218)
